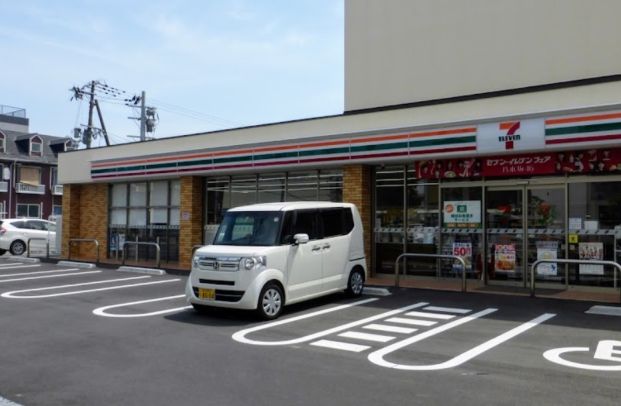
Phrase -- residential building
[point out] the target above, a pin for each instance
(29, 184)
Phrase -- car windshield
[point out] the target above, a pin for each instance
(260, 228)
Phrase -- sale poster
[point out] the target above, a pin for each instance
(547, 250)
(464, 250)
(591, 251)
(504, 255)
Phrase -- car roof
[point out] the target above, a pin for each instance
(285, 206)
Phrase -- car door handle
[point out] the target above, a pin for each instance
(316, 248)
(326, 246)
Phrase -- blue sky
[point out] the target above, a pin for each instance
(206, 65)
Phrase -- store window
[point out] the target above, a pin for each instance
(145, 212)
(302, 186)
(389, 216)
(272, 187)
(594, 227)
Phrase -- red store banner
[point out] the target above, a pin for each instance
(572, 162)
(519, 165)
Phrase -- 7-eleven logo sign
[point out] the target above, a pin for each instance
(511, 133)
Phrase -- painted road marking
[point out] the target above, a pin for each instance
(103, 311)
(430, 315)
(13, 294)
(605, 310)
(390, 329)
(38, 272)
(377, 357)
(19, 267)
(240, 336)
(411, 322)
(336, 345)
(447, 309)
(366, 336)
(48, 276)
(606, 350)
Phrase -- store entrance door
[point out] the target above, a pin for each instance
(523, 224)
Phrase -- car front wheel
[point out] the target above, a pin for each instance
(18, 247)
(271, 302)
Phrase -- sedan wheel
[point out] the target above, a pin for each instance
(18, 247)
(355, 285)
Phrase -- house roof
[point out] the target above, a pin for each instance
(17, 148)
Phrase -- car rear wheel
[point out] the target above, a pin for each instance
(355, 283)
(18, 247)
(271, 302)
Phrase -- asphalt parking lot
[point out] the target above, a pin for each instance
(75, 336)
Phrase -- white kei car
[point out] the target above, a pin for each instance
(15, 233)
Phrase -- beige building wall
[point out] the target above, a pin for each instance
(402, 51)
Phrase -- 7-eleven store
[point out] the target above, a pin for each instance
(503, 188)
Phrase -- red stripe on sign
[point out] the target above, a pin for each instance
(435, 151)
(585, 139)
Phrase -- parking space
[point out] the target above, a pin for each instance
(82, 330)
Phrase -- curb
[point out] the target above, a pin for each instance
(369, 290)
(23, 259)
(76, 264)
(148, 271)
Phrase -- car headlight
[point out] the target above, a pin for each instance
(195, 260)
(250, 263)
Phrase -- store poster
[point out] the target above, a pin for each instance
(591, 251)
(504, 255)
(464, 250)
(547, 250)
(462, 214)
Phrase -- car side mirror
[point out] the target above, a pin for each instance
(300, 239)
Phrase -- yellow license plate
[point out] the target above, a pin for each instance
(207, 294)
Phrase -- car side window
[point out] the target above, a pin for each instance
(286, 234)
(348, 219)
(37, 225)
(332, 221)
(306, 222)
(22, 225)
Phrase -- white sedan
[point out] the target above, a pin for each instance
(15, 233)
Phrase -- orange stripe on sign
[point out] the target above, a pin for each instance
(593, 117)
(506, 126)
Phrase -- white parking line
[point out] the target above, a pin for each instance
(430, 315)
(390, 329)
(336, 345)
(47, 276)
(240, 336)
(19, 267)
(37, 272)
(447, 309)
(366, 336)
(102, 311)
(13, 294)
(412, 322)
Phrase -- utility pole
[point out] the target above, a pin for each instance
(88, 134)
(103, 126)
(143, 117)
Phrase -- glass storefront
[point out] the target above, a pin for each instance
(500, 226)
(144, 212)
(224, 192)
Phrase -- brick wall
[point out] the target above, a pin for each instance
(191, 222)
(85, 215)
(357, 190)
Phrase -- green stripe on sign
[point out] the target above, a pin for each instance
(192, 163)
(379, 147)
(443, 141)
(579, 129)
(276, 155)
(233, 159)
(326, 151)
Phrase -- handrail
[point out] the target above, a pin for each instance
(572, 261)
(437, 256)
(93, 240)
(47, 246)
(154, 244)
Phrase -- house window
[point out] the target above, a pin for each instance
(57, 210)
(54, 176)
(29, 210)
(2, 142)
(3, 212)
(36, 147)
(30, 175)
